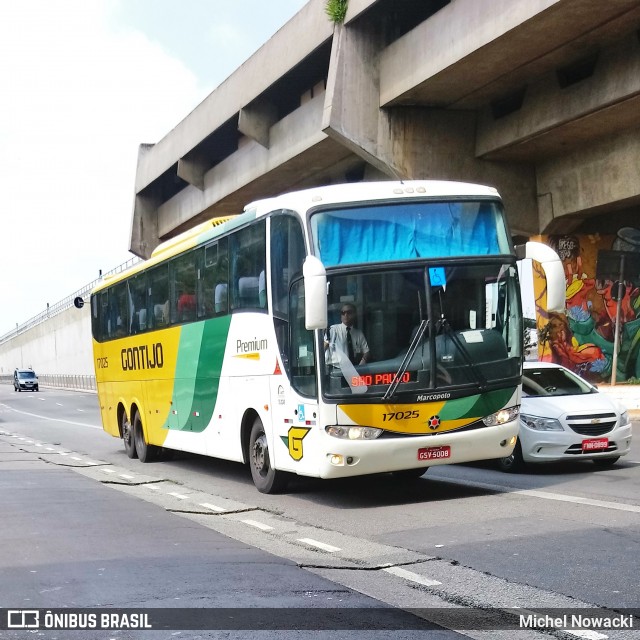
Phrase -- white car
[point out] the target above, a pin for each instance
(563, 417)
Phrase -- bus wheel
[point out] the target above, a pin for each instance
(127, 436)
(265, 477)
(146, 452)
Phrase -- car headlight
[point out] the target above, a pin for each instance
(502, 417)
(541, 424)
(353, 433)
(624, 417)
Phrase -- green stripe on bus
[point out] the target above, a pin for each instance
(198, 368)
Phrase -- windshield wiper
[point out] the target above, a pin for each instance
(443, 323)
(413, 347)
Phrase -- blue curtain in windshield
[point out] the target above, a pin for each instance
(403, 232)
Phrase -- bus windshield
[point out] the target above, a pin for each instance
(409, 230)
(423, 328)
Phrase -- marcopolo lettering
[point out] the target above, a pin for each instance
(142, 357)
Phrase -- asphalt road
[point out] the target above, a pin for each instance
(127, 534)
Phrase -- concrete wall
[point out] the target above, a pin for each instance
(61, 345)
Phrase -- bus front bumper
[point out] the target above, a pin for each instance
(347, 458)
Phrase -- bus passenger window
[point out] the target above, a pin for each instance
(184, 276)
(248, 251)
(221, 299)
(158, 284)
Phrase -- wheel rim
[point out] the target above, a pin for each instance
(127, 435)
(507, 462)
(260, 455)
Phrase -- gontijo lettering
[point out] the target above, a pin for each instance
(142, 357)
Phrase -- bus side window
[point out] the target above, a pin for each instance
(214, 280)
(287, 256)
(184, 278)
(303, 358)
(158, 292)
(248, 250)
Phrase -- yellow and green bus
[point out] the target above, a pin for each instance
(220, 344)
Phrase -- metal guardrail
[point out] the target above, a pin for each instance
(60, 381)
(64, 304)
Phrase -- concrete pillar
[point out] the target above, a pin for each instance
(412, 142)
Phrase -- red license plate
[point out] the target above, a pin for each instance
(434, 453)
(595, 445)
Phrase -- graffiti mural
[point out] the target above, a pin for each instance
(583, 338)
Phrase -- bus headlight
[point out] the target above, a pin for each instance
(502, 417)
(353, 433)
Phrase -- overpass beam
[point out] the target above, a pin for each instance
(589, 180)
(255, 121)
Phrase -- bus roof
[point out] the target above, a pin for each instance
(367, 191)
(302, 201)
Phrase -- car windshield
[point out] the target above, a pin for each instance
(552, 381)
(27, 375)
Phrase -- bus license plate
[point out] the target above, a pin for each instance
(596, 444)
(434, 453)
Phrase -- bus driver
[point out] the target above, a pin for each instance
(347, 338)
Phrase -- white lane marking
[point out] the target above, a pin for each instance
(319, 545)
(587, 634)
(126, 476)
(410, 575)
(151, 486)
(41, 399)
(180, 496)
(258, 525)
(77, 459)
(59, 404)
(35, 415)
(546, 495)
(208, 505)
(108, 471)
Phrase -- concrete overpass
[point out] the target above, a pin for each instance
(540, 98)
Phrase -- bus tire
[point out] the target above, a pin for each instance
(265, 477)
(127, 436)
(146, 452)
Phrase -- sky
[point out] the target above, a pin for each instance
(82, 84)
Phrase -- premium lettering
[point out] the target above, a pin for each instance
(142, 357)
(251, 345)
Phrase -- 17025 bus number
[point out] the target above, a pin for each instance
(400, 415)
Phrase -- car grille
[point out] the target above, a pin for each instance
(593, 424)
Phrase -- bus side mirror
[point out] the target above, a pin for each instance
(553, 271)
(315, 293)
(78, 302)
